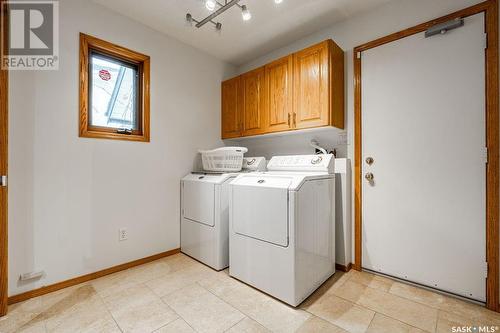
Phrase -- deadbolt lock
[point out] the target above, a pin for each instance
(369, 176)
(369, 160)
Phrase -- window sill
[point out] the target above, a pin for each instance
(114, 136)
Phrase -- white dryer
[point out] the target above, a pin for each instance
(205, 213)
(282, 226)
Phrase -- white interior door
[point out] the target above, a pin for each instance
(423, 123)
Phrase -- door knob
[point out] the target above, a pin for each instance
(369, 160)
(369, 176)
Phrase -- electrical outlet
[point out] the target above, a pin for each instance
(343, 139)
(123, 234)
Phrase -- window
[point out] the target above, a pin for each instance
(114, 91)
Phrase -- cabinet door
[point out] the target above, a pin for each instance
(231, 108)
(253, 101)
(279, 95)
(311, 87)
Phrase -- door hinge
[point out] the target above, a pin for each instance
(485, 155)
(3, 181)
(358, 55)
(485, 269)
(485, 40)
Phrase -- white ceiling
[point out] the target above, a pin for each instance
(272, 26)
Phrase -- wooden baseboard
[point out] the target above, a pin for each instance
(343, 268)
(87, 277)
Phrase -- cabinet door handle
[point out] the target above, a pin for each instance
(289, 116)
(294, 119)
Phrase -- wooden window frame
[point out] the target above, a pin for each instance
(89, 44)
(490, 10)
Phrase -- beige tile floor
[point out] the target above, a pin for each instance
(178, 294)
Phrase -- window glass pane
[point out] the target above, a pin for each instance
(113, 93)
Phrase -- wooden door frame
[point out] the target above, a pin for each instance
(490, 9)
(4, 94)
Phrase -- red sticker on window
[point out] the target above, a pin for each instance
(105, 75)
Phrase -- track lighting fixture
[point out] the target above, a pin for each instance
(210, 4)
(218, 8)
(245, 13)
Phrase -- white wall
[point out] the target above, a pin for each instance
(68, 196)
(294, 143)
(393, 17)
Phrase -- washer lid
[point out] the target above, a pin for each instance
(209, 178)
(264, 180)
(276, 179)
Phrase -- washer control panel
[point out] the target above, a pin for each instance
(321, 162)
(254, 163)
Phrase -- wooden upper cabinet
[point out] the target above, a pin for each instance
(279, 86)
(336, 57)
(311, 91)
(301, 90)
(319, 86)
(231, 108)
(253, 101)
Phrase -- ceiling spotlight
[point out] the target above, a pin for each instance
(217, 9)
(245, 13)
(210, 4)
(278, 1)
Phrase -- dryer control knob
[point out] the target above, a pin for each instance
(316, 160)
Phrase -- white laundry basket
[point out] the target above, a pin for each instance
(225, 159)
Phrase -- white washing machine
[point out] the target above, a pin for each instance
(205, 213)
(282, 226)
